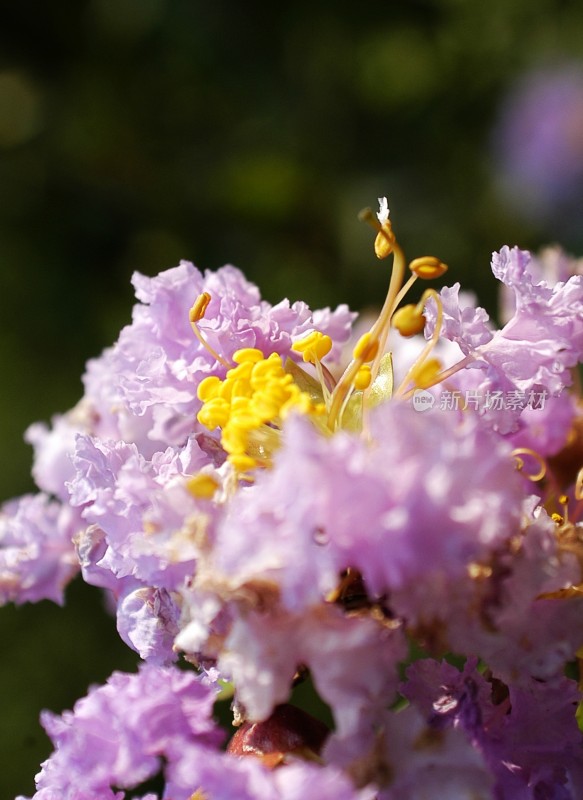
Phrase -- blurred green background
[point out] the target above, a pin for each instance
(134, 133)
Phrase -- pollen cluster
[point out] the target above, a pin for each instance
(250, 404)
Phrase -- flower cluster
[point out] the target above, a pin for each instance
(268, 497)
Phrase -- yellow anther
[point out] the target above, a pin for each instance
(563, 499)
(408, 320)
(202, 486)
(208, 388)
(196, 313)
(267, 368)
(479, 571)
(363, 378)
(244, 419)
(226, 390)
(241, 462)
(428, 267)
(558, 518)
(235, 437)
(385, 240)
(241, 388)
(240, 372)
(199, 307)
(366, 348)
(239, 405)
(248, 355)
(425, 372)
(214, 413)
(265, 406)
(249, 405)
(313, 347)
(272, 395)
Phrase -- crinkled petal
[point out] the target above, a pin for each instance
(37, 556)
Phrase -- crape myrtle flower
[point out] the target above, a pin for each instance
(151, 373)
(271, 509)
(548, 320)
(143, 389)
(552, 265)
(516, 649)
(491, 612)
(142, 536)
(172, 361)
(417, 498)
(551, 427)
(141, 505)
(37, 559)
(536, 348)
(527, 736)
(119, 733)
(160, 720)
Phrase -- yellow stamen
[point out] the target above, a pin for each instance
(385, 239)
(202, 486)
(250, 404)
(197, 313)
(247, 355)
(363, 378)
(416, 368)
(378, 333)
(257, 394)
(428, 267)
(214, 413)
(563, 501)
(208, 387)
(366, 348)
(408, 320)
(242, 372)
(241, 462)
(199, 307)
(313, 347)
(424, 373)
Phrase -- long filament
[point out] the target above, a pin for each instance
(430, 344)
(378, 333)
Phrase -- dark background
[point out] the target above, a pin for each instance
(134, 133)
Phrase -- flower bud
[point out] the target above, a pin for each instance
(289, 730)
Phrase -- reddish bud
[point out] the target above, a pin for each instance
(289, 730)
